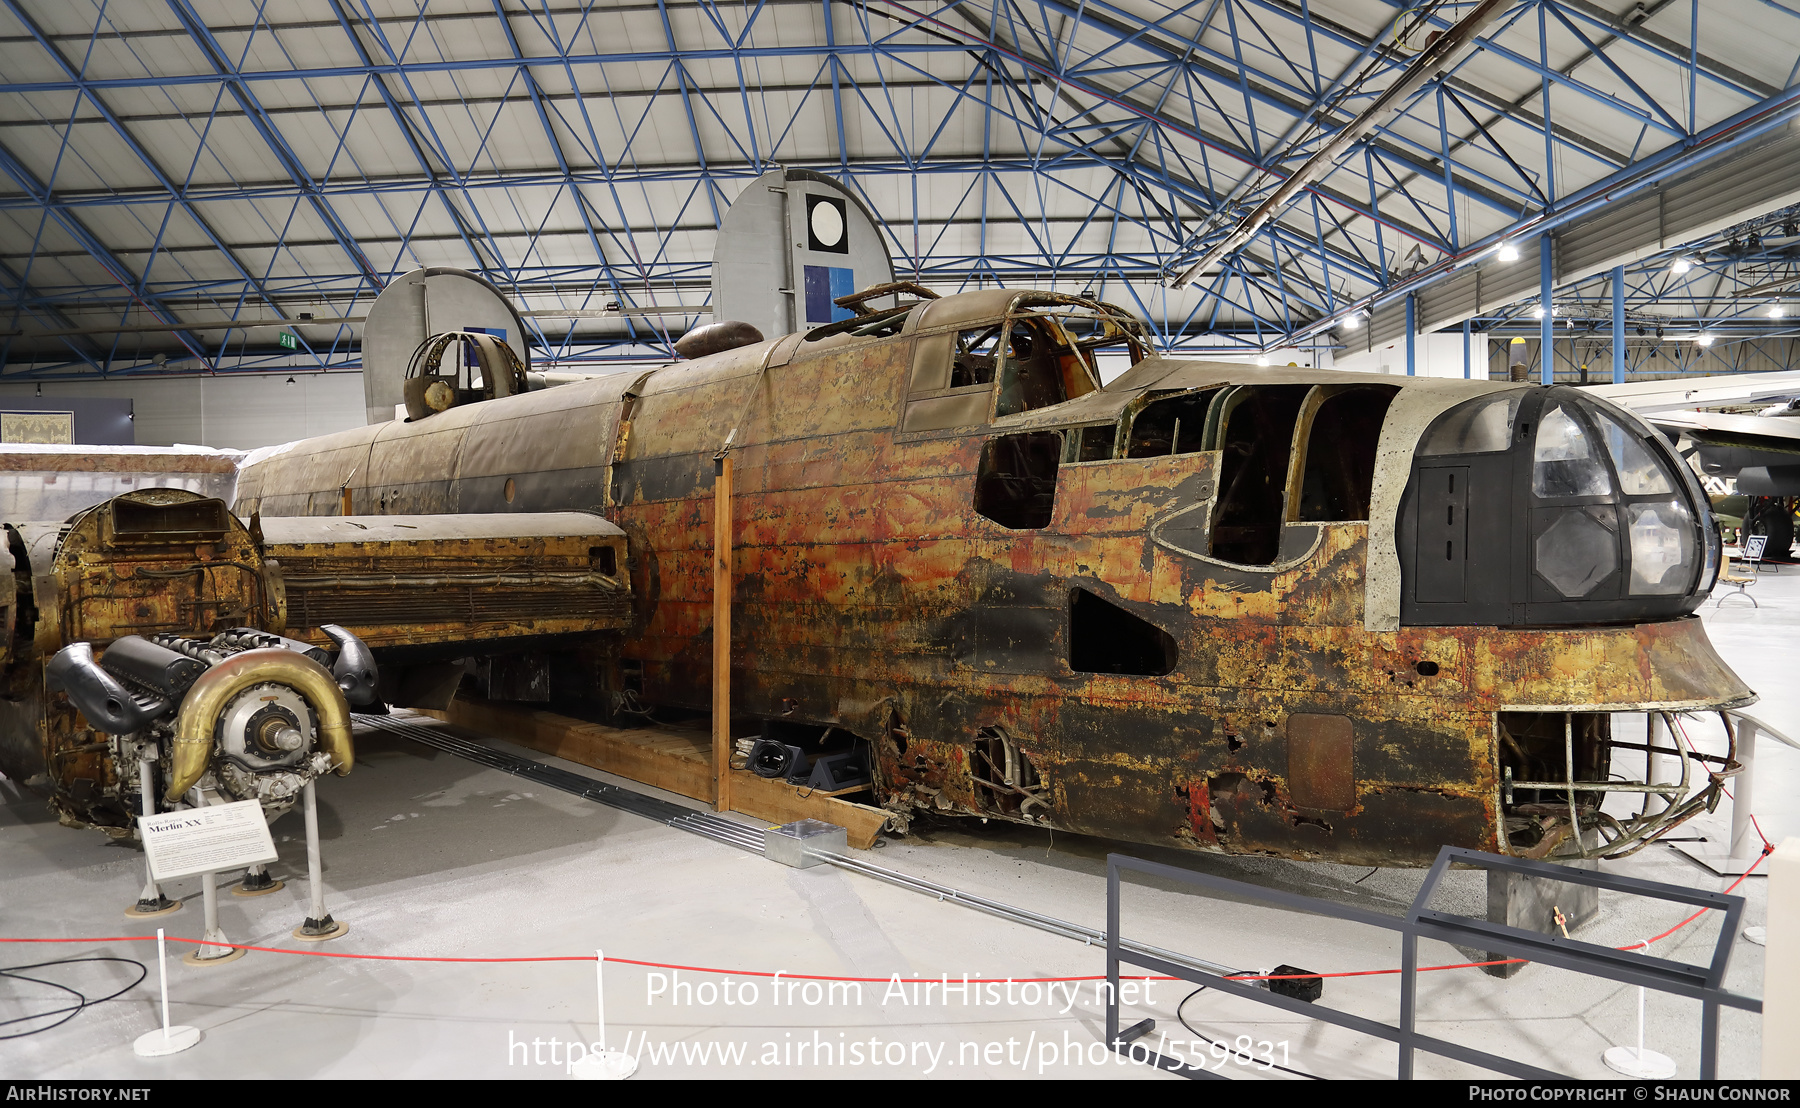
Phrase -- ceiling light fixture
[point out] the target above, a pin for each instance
(1705, 339)
(290, 380)
(1680, 266)
(1776, 311)
(1509, 252)
(1353, 320)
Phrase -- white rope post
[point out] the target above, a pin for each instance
(1744, 843)
(600, 993)
(602, 1064)
(1639, 1062)
(167, 1040)
(162, 973)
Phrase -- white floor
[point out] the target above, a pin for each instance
(428, 855)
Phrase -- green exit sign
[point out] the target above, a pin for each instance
(288, 341)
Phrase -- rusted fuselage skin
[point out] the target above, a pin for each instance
(1295, 716)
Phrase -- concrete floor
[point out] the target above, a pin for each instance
(429, 855)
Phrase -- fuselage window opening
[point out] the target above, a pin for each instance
(1105, 638)
(1016, 485)
(1171, 425)
(1093, 443)
(1252, 426)
(1333, 468)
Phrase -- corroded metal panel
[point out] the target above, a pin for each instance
(1321, 761)
(1298, 718)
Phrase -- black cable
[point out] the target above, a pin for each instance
(1366, 876)
(81, 1000)
(1209, 1042)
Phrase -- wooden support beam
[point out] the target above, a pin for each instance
(675, 760)
(721, 658)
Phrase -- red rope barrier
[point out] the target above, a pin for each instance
(1768, 849)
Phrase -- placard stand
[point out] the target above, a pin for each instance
(167, 1040)
(202, 955)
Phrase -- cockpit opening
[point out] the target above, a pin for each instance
(1334, 453)
(1045, 365)
(1252, 426)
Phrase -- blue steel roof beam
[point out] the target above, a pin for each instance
(737, 68)
(562, 162)
(130, 140)
(405, 127)
(1279, 52)
(74, 228)
(58, 321)
(1129, 150)
(586, 207)
(1673, 124)
(284, 154)
(896, 135)
(1638, 35)
(1295, 101)
(1243, 80)
(1184, 131)
(837, 85)
(499, 257)
(713, 196)
(1353, 207)
(474, 237)
(1327, 28)
(1495, 145)
(594, 151)
(1721, 137)
(1509, 206)
(1646, 116)
(403, 70)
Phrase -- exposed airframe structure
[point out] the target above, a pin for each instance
(1306, 613)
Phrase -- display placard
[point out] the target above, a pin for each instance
(206, 840)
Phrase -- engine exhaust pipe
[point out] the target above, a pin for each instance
(207, 699)
(97, 694)
(354, 669)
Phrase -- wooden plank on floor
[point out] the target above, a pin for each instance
(678, 763)
(615, 751)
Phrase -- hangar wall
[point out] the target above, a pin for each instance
(236, 413)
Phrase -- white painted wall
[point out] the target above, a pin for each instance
(1438, 355)
(230, 412)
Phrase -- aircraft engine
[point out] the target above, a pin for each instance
(245, 714)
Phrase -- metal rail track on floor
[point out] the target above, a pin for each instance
(732, 833)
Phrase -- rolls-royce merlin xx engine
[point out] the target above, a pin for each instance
(158, 648)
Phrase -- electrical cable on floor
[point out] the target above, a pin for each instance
(1182, 1019)
(81, 1001)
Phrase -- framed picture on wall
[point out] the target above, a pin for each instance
(38, 427)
